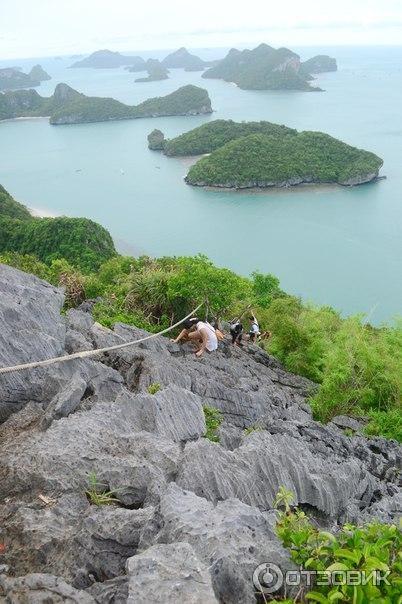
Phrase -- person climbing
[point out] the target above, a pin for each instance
(254, 329)
(236, 331)
(201, 333)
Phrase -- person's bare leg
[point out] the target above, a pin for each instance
(195, 337)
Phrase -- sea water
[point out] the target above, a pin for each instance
(330, 245)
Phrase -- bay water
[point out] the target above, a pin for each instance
(330, 245)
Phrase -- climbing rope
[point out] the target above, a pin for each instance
(91, 353)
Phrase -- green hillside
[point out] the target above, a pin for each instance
(215, 134)
(78, 240)
(262, 161)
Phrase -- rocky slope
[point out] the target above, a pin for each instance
(193, 518)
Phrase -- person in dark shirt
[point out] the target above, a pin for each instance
(236, 331)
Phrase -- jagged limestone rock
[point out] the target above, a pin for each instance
(167, 574)
(172, 485)
(41, 588)
(231, 538)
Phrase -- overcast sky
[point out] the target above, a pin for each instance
(34, 28)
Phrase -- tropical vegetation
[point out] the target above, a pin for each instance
(215, 134)
(67, 106)
(80, 241)
(358, 552)
(259, 160)
(358, 367)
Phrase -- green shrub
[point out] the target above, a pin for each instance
(97, 494)
(27, 263)
(385, 423)
(367, 548)
(154, 388)
(301, 335)
(363, 371)
(213, 419)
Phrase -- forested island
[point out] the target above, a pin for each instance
(264, 161)
(77, 240)
(67, 106)
(261, 154)
(107, 59)
(156, 71)
(264, 68)
(12, 78)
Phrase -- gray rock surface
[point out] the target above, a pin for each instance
(167, 574)
(185, 507)
(40, 588)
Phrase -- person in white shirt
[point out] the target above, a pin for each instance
(202, 333)
(254, 329)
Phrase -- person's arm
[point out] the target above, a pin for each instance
(204, 342)
(182, 334)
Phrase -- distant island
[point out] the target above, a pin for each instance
(156, 71)
(107, 59)
(183, 59)
(12, 78)
(67, 106)
(319, 64)
(263, 68)
(261, 154)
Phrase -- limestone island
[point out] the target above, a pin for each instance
(67, 106)
(183, 59)
(156, 71)
(319, 64)
(12, 78)
(263, 68)
(261, 155)
(107, 59)
(156, 140)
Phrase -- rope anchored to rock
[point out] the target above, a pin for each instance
(90, 353)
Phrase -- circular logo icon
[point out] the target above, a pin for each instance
(267, 578)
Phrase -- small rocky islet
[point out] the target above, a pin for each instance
(262, 155)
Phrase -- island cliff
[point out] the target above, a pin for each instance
(67, 106)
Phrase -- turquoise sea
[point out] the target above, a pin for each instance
(330, 245)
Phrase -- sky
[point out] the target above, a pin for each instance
(38, 28)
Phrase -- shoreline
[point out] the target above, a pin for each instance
(32, 117)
